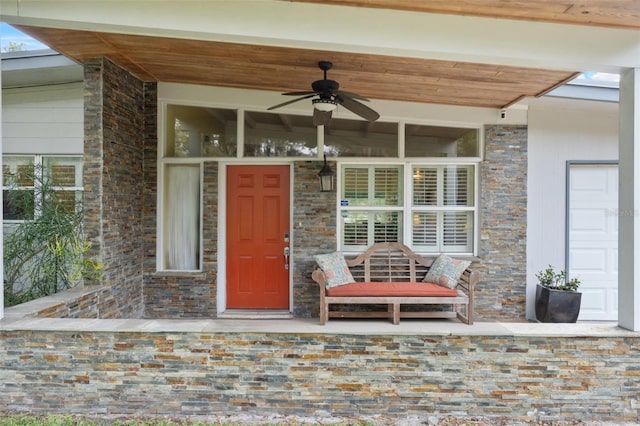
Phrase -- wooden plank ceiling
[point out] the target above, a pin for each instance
(605, 13)
(373, 76)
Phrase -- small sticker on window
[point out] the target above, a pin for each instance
(344, 202)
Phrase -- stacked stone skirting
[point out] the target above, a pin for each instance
(199, 374)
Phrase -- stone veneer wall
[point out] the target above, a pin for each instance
(194, 295)
(502, 256)
(114, 117)
(314, 232)
(177, 295)
(500, 296)
(150, 177)
(183, 295)
(315, 374)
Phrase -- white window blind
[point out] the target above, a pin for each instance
(386, 227)
(386, 186)
(456, 235)
(355, 228)
(356, 186)
(443, 208)
(425, 229)
(370, 205)
(456, 186)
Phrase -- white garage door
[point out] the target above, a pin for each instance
(593, 238)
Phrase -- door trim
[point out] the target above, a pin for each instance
(221, 290)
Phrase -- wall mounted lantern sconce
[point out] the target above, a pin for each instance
(327, 177)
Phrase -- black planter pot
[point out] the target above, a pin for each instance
(557, 305)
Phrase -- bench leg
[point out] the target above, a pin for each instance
(464, 314)
(324, 313)
(396, 313)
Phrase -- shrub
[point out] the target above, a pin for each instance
(557, 281)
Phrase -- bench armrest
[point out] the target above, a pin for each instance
(318, 276)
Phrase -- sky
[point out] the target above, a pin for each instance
(9, 34)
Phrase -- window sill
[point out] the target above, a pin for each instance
(201, 274)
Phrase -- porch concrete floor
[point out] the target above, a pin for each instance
(306, 326)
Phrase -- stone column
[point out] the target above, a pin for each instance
(629, 201)
(114, 103)
(1, 235)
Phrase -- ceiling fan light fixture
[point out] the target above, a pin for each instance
(325, 96)
(324, 105)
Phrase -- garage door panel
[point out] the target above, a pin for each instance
(588, 179)
(593, 238)
(588, 220)
(594, 301)
(588, 260)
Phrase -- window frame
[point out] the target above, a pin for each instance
(412, 208)
(162, 241)
(38, 162)
(407, 208)
(372, 207)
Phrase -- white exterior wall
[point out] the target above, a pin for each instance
(560, 130)
(43, 119)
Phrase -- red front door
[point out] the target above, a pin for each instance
(257, 236)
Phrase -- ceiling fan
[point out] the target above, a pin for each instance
(329, 97)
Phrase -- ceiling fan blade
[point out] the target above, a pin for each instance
(350, 95)
(321, 118)
(291, 101)
(302, 93)
(357, 108)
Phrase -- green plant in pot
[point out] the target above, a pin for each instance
(557, 298)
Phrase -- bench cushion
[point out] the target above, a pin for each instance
(398, 289)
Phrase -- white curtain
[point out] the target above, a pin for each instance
(182, 208)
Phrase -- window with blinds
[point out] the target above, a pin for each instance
(356, 186)
(371, 205)
(443, 208)
(437, 216)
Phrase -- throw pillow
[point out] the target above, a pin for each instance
(446, 271)
(335, 269)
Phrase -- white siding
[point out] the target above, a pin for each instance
(43, 119)
(560, 130)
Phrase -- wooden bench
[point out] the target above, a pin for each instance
(397, 264)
